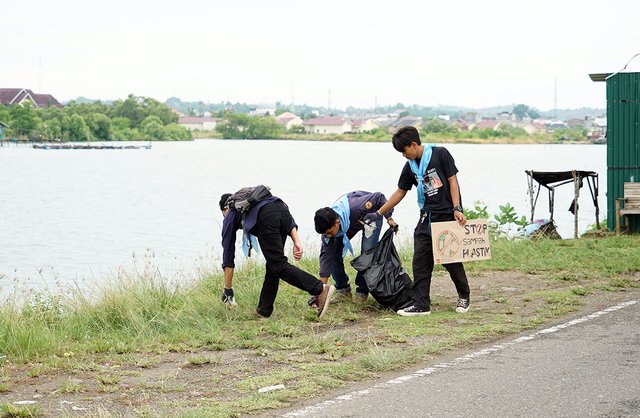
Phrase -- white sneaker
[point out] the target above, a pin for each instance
(324, 298)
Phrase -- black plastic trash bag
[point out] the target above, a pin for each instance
(387, 281)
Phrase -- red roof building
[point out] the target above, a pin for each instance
(487, 124)
(18, 96)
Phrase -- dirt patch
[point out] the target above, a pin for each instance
(141, 384)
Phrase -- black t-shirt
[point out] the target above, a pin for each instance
(435, 185)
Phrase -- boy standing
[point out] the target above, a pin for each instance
(432, 170)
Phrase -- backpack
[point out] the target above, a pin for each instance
(247, 197)
(243, 200)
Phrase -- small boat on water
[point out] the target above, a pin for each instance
(90, 146)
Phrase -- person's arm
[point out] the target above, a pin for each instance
(379, 200)
(297, 244)
(229, 225)
(326, 259)
(454, 188)
(394, 199)
(386, 209)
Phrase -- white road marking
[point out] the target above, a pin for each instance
(309, 410)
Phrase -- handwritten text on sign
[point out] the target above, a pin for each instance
(453, 243)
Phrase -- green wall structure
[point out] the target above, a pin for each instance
(623, 140)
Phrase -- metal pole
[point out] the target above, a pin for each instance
(552, 197)
(594, 195)
(533, 205)
(576, 190)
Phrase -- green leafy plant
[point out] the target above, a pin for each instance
(507, 219)
(478, 212)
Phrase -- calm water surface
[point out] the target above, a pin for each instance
(83, 215)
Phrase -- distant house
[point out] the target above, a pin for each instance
(289, 120)
(385, 122)
(487, 124)
(598, 129)
(506, 116)
(600, 122)
(364, 125)
(414, 121)
(556, 124)
(19, 96)
(330, 125)
(460, 124)
(194, 123)
(576, 123)
(533, 127)
(262, 111)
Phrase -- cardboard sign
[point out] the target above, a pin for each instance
(453, 243)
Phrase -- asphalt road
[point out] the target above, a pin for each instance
(587, 367)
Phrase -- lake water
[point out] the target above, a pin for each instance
(82, 215)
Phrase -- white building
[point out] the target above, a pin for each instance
(193, 123)
(364, 125)
(289, 120)
(331, 125)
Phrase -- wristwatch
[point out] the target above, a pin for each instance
(458, 208)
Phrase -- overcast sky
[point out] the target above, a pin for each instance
(467, 53)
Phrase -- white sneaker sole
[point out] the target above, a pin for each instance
(462, 310)
(332, 290)
(401, 312)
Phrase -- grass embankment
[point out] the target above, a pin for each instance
(142, 346)
(431, 138)
(544, 138)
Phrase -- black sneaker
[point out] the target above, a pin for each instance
(463, 305)
(228, 298)
(343, 294)
(413, 311)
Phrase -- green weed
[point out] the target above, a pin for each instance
(71, 387)
(108, 379)
(382, 360)
(22, 411)
(620, 282)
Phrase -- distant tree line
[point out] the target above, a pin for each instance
(243, 126)
(135, 118)
(305, 111)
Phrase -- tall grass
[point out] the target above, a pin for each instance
(587, 256)
(145, 312)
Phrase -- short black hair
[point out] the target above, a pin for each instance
(324, 219)
(223, 200)
(404, 137)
